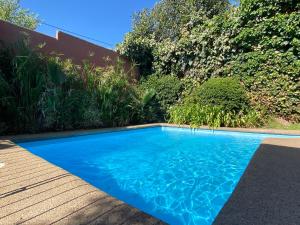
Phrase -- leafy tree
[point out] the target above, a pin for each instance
(201, 52)
(169, 17)
(272, 79)
(255, 11)
(11, 11)
(267, 58)
(167, 23)
(257, 41)
(267, 25)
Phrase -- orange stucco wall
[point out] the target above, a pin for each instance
(67, 46)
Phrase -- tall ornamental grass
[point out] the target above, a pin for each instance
(39, 93)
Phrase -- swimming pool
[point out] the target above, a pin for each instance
(179, 175)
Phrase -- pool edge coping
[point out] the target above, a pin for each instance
(61, 134)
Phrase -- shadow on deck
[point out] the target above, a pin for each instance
(269, 190)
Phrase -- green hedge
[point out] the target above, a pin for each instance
(197, 115)
(226, 93)
(167, 91)
(273, 80)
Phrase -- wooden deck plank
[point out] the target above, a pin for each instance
(39, 190)
(24, 171)
(117, 215)
(78, 213)
(37, 198)
(31, 180)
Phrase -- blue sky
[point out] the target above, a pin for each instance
(104, 20)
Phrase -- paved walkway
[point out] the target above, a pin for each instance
(33, 191)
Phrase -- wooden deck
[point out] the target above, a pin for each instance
(33, 191)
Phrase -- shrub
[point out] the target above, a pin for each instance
(118, 99)
(217, 102)
(272, 79)
(149, 110)
(198, 115)
(40, 93)
(226, 93)
(23, 75)
(167, 91)
(66, 97)
(91, 97)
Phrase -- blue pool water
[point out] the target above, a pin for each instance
(179, 175)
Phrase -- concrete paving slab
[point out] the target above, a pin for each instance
(269, 191)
